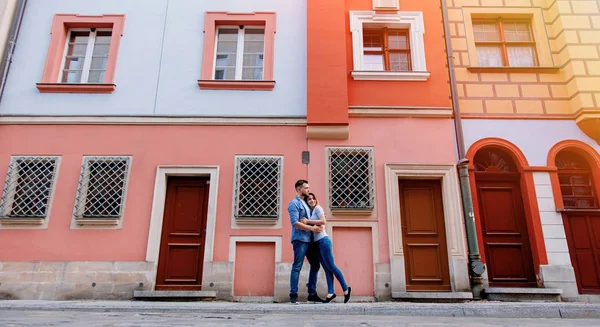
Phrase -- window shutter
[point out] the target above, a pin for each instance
(386, 5)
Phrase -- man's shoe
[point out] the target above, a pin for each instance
(315, 299)
(294, 299)
(347, 296)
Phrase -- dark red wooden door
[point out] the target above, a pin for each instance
(504, 230)
(583, 236)
(424, 236)
(183, 234)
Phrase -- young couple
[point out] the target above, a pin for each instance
(310, 240)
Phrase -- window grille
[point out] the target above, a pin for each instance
(351, 178)
(102, 186)
(257, 187)
(28, 187)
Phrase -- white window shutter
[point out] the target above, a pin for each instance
(386, 5)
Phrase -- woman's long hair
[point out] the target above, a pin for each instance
(314, 197)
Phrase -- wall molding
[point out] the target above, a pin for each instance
(152, 120)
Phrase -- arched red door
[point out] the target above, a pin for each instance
(503, 223)
(581, 219)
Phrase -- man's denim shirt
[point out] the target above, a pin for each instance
(297, 210)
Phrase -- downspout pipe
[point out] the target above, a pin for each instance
(476, 267)
(15, 27)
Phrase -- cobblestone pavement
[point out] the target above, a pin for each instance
(17, 318)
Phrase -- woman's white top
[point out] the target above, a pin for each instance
(317, 211)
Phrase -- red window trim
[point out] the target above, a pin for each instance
(214, 19)
(59, 32)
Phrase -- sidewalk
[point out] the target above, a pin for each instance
(472, 309)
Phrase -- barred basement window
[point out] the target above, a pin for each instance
(257, 187)
(351, 178)
(102, 186)
(28, 187)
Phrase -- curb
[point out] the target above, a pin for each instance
(488, 310)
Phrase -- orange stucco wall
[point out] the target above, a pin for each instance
(150, 146)
(394, 140)
(254, 269)
(433, 93)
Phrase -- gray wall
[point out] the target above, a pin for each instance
(157, 76)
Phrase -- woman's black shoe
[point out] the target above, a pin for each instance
(329, 299)
(347, 296)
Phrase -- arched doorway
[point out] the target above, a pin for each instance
(504, 231)
(581, 218)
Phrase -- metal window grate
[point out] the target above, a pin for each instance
(102, 185)
(28, 187)
(257, 187)
(351, 178)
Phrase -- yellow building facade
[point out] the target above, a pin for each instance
(528, 84)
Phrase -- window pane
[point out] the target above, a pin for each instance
(397, 40)
(226, 53)
(374, 62)
(101, 50)
(489, 56)
(485, 32)
(99, 63)
(372, 42)
(521, 56)
(103, 37)
(399, 62)
(225, 73)
(253, 60)
(252, 73)
(515, 31)
(71, 76)
(96, 76)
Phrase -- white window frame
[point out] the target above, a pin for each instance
(239, 63)
(89, 51)
(236, 191)
(410, 20)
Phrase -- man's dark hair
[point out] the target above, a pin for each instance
(300, 183)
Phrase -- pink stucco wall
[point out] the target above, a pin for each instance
(395, 140)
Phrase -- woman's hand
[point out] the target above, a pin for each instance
(317, 229)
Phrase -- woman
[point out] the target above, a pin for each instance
(325, 250)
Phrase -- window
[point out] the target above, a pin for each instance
(575, 178)
(388, 45)
(82, 56)
(351, 178)
(502, 43)
(86, 56)
(28, 187)
(101, 189)
(238, 51)
(386, 50)
(258, 187)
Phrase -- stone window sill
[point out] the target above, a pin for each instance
(363, 75)
(22, 221)
(540, 70)
(75, 88)
(236, 85)
(352, 212)
(256, 221)
(96, 222)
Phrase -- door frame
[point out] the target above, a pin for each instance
(158, 209)
(455, 235)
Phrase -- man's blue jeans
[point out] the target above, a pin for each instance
(326, 258)
(311, 252)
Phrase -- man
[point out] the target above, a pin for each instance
(303, 244)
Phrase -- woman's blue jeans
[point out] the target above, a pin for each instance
(327, 261)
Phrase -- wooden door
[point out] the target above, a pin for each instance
(424, 235)
(583, 236)
(181, 256)
(504, 230)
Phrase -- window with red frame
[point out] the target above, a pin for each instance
(576, 182)
(86, 56)
(386, 49)
(505, 43)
